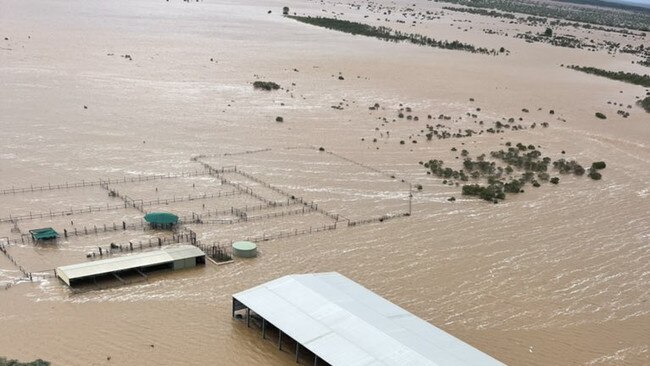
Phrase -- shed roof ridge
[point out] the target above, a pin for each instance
(366, 321)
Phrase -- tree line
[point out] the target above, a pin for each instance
(639, 20)
(390, 35)
(628, 77)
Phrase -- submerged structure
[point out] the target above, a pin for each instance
(173, 258)
(46, 233)
(341, 323)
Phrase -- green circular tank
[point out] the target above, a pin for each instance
(244, 249)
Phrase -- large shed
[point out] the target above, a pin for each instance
(342, 323)
(184, 256)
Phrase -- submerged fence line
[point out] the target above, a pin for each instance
(84, 183)
(192, 218)
(139, 245)
(248, 190)
(263, 183)
(311, 229)
(295, 232)
(392, 176)
(139, 204)
(196, 219)
(263, 237)
(26, 275)
(128, 202)
(243, 217)
(377, 219)
(282, 234)
(310, 147)
(234, 210)
(189, 197)
(333, 216)
(241, 187)
(202, 156)
(72, 211)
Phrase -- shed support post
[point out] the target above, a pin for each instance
(233, 307)
(280, 340)
(297, 350)
(248, 317)
(315, 360)
(263, 328)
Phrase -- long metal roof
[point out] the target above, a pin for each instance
(117, 264)
(346, 324)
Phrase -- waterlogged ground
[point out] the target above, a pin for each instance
(555, 275)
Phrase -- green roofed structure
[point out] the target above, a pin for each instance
(161, 219)
(45, 233)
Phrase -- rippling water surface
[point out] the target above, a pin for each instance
(558, 275)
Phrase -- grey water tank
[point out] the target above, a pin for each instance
(244, 249)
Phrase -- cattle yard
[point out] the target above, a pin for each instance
(229, 197)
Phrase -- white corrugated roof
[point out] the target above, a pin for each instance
(346, 324)
(109, 265)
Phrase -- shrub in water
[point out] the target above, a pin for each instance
(594, 175)
(597, 165)
(266, 85)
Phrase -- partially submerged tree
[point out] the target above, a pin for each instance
(645, 104)
(597, 165)
(266, 85)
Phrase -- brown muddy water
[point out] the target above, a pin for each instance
(559, 275)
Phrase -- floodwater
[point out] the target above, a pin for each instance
(558, 275)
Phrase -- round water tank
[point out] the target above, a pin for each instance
(244, 249)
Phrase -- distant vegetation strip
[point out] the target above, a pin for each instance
(496, 14)
(390, 35)
(610, 4)
(532, 20)
(6, 362)
(628, 77)
(638, 20)
(484, 12)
